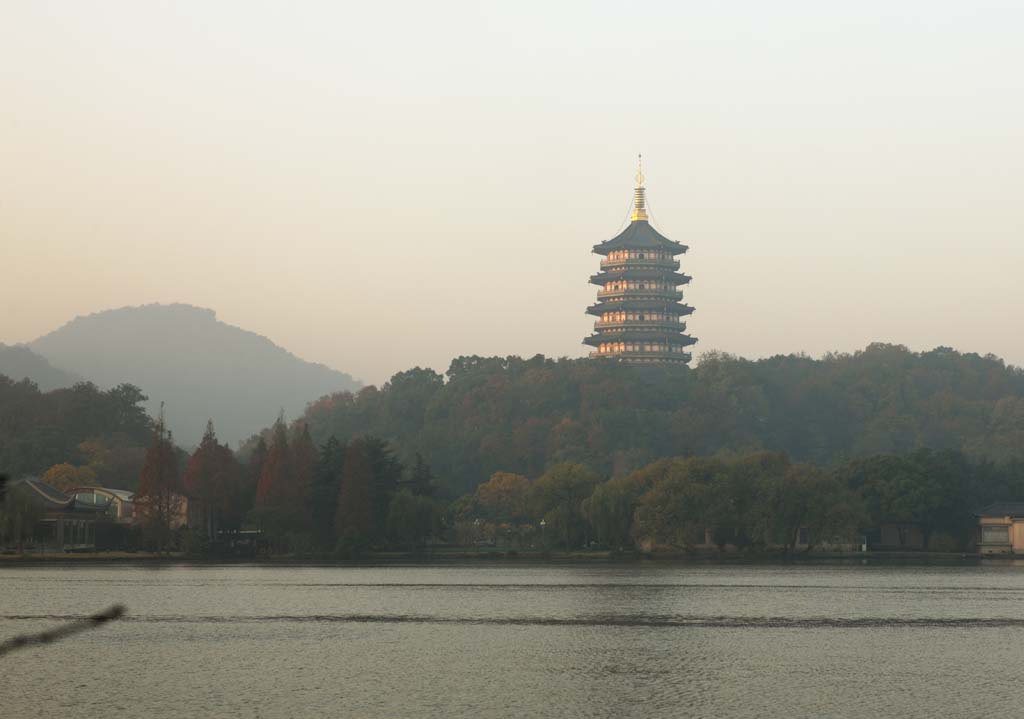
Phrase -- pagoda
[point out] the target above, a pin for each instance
(640, 313)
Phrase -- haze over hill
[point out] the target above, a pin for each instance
(19, 362)
(199, 366)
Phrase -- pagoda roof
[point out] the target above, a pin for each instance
(638, 335)
(639, 234)
(640, 274)
(633, 304)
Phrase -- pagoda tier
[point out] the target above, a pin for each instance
(603, 278)
(651, 334)
(639, 305)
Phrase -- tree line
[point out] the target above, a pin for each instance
(526, 415)
(344, 499)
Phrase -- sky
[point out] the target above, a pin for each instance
(378, 186)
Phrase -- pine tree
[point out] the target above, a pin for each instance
(324, 490)
(421, 481)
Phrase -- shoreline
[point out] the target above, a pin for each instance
(493, 558)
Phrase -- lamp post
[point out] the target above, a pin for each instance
(543, 536)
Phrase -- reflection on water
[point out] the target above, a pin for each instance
(549, 641)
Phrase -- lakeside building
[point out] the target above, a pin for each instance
(117, 504)
(639, 309)
(59, 521)
(1001, 528)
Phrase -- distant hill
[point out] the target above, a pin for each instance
(199, 366)
(19, 362)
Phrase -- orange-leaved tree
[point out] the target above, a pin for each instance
(213, 482)
(159, 502)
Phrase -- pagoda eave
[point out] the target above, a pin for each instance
(633, 304)
(640, 336)
(677, 278)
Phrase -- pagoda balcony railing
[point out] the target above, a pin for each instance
(633, 262)
(649, 356)
(641, 325)
(629, 294)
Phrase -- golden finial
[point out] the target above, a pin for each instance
(639, 200)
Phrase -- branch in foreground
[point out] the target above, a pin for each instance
(53, 635)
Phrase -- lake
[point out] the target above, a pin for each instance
(597, 640)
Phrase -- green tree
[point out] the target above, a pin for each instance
(323, 496)
(19, 515)
(558, 495)
(410, 519)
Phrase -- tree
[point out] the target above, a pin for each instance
(324, 489)
(805, 496)
(370, 477)
(410, 519)
(18, 515)
(678, 504)
(213, 482)
(355, 515)
(272, 487)
(281, 495)
(504, 497)
(66, 476)
(558, 496)
(421, 479)
(159, 501)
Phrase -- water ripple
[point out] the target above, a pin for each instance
(596, 621)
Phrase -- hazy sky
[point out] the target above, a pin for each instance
(382, 185)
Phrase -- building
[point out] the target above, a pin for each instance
(117, 504)
(895, 535)
(1001, 528)
(53, 519)
(639, 309)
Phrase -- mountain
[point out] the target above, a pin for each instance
(200, 367)
(19, 362)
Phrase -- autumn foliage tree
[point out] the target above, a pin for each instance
(213, 480)
(355, 497)
(282, 492)
(66, 476)
(369, 479)
(504, 496)
(159, 500)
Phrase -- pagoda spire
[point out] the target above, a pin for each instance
(639, 198)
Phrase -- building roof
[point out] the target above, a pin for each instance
(122, 494)
(633, 303)
(674, 278)
(52, 499)
(640, 334)
(47, 495)
(639, 234)
(1002, 509)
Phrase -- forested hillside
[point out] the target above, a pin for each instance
(525, 415)
(77, 435)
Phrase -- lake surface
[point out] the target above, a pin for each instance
(643, 640)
